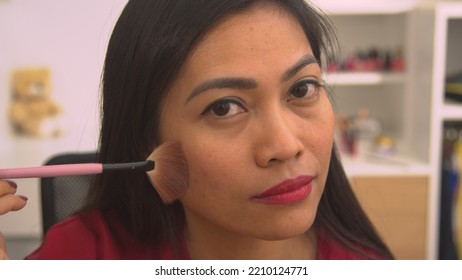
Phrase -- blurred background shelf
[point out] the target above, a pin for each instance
(364, 78)
(365, 6)
(400, 187)
(376, 165)
(451, 111)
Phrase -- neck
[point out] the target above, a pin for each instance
(213, 243)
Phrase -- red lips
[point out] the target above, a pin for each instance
(287, 192)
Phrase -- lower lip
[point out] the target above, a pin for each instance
(287, 197)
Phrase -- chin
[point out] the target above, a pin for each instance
(278, 236)
(286, 231)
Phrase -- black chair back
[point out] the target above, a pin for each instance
(62, 196)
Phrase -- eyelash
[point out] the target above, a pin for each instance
(309, 83)
(210, 108)
(226, 101)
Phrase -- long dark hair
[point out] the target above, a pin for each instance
(149, 45)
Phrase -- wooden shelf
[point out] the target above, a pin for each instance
(397, 206)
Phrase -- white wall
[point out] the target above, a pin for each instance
(70, 38)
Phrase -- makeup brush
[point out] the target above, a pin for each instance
(170, 177)
(166, 168)
(73, 169)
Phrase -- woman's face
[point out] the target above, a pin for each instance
(255, 125)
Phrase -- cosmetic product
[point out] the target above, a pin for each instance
(73, 169)
(166, 168)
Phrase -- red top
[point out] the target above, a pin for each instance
(95, 236)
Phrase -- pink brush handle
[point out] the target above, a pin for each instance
(52, 171)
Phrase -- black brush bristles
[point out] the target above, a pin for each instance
(170, 176)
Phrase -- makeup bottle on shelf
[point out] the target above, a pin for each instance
(397, 63)
(387, 61)
(372, 62)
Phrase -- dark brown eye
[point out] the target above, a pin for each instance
(221, 109)
(304, 90)
(225, 108)
(300, 90)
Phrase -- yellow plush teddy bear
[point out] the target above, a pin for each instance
(32, 112)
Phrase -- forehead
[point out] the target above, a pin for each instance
(264, 29)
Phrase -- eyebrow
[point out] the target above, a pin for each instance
(301, 63)
(249, 83)
(233, 83)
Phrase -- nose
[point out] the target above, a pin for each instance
(278, 139)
